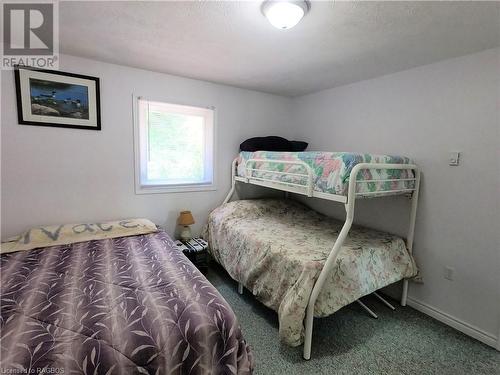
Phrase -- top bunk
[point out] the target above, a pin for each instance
(328, 175)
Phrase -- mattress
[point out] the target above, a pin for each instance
(128, 305)
(277, 248)
(331, 170)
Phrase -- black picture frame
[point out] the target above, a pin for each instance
(93, 106)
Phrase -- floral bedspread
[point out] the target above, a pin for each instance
(331, 170)
(277, 249)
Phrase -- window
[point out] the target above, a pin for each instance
(174, 147)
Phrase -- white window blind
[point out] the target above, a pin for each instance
(175, 147)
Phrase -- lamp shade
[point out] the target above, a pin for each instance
(186, 218)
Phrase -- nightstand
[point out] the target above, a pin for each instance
(195, 250)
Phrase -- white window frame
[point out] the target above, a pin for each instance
(140, 150)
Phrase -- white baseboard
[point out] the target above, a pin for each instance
(458, 324)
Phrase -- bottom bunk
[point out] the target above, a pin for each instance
(277, 249)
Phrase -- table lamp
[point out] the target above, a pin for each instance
(186, 219)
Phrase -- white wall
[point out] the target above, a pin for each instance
(424, 113)
(54, 175)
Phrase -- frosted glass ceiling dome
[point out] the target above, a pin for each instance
(285, 14)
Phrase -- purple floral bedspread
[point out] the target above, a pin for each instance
(129, 305)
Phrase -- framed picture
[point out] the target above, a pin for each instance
(58, 99)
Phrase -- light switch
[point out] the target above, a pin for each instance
(454, 159)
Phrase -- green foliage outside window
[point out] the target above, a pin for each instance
(176, 147)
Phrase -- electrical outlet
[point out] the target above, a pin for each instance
(454, 158)
(449, 273)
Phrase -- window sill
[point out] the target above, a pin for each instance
(159, 189)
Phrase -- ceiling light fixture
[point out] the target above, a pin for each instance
(285, 14)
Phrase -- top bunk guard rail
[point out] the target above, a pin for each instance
(305, 185)
(349, 204)
(308, 187)
(367, 166)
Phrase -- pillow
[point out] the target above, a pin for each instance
(271, 143)
(298, 146)
(71, 233)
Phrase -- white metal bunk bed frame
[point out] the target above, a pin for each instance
(349, 203)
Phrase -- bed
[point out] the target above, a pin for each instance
(329, 171)
(319, 265)
(277, 249)
(126, 305)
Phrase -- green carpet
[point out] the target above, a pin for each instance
(404, 341)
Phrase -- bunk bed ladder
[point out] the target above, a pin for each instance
(411, 229)
(332, 257)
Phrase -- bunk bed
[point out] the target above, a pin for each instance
(335, 176)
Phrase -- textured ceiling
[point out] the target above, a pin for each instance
(232, 43)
